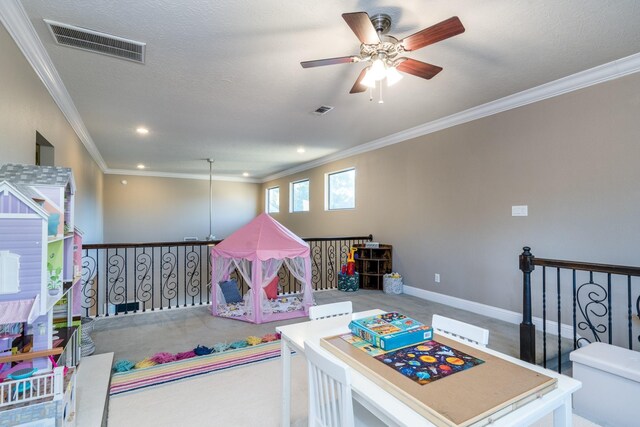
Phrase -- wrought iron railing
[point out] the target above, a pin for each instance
(577, 303)
(139, 277)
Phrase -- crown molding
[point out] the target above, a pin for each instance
(602, 73)
(15, 20)
(181, 176)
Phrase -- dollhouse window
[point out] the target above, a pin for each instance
(9, 269)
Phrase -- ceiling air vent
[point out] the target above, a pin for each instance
(322, 110)
(94, 41)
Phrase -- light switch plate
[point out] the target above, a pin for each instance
(522, 210)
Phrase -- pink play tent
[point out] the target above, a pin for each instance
(258, 251)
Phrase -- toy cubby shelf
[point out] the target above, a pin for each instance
(372, 264)
(41, 285)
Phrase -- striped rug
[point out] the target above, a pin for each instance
(139, 379)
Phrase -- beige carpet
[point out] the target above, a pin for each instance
(246, 396)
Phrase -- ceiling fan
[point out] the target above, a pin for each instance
(384, 52)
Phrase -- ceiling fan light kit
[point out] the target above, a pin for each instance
(384, 52)
(368, 79)
(393, 76)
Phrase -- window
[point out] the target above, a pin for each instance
(299, 196)
(273, 200)
(340, 190)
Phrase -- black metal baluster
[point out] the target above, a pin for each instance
(145, 278)
(126, 281)
(629, 315)
(135, 279)
(161, 278)
(209, 287)
(106, 282)
(575, 325)
(609, 306)
(544, 316)
(184, 275)
(135, 283)
(153, 279)
(323, 264)
(98, 279)
(204, 274)
(177, 275)
(559, 321)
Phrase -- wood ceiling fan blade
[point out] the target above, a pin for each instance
(329, 61)
(361, 25)
(418, 68)
(443, 30)
(357, 86)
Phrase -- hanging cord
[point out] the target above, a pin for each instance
(211, 236)
(380, 101)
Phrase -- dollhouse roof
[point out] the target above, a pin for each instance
(29, 192)
(25, 195)
(21, 175)
(263, 238)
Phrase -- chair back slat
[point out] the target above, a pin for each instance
(330, 310)
(459, 331)
(330, 403)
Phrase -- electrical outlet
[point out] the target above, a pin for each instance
(437, 278)
(520, 210)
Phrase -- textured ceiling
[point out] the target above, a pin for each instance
(222, 78)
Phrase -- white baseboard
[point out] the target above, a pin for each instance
(487, 310)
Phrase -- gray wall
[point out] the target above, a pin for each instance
(27, 107)
(149, 209)
(444, 200)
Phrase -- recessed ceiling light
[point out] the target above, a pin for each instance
(140, 166)
(300, 150)
(142, 131)
(245, 173)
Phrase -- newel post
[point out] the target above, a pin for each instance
(527, 328)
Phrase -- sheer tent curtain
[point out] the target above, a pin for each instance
(221, 269)
(244, 267)
(270, 270)
(301, 270)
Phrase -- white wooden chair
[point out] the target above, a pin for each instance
(330, 310)
(330, 403)
(459, 331)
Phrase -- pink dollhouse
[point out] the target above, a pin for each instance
(37, 242)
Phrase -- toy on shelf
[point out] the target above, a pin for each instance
(351, 262)
(348, 278)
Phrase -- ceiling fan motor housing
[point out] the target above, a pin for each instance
(381, 22)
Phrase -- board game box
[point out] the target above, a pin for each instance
(390, 331)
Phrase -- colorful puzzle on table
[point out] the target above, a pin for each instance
(428, 361)
(363, 345)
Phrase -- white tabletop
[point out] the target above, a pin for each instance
(394, 411)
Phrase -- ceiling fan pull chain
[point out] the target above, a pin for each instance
(380, 101)
(370, 94)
